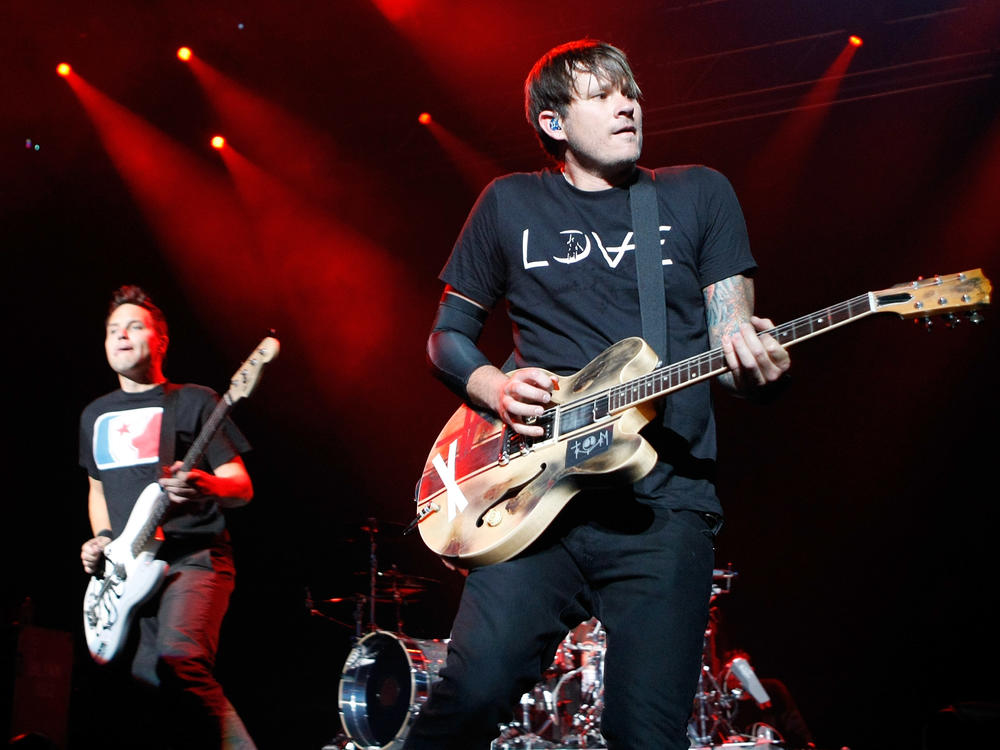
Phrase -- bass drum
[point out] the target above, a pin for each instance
(386, 679)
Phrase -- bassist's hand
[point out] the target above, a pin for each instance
(92, 554)
(194, 485)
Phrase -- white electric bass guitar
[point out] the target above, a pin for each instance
(132, 574)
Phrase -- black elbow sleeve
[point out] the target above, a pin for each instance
(451, 346)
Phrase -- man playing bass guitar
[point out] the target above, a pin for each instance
(120, 447)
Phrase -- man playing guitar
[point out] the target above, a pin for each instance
(120, 445)
(557, 245)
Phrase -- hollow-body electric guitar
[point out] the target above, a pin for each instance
(131, 573)
(487, 492)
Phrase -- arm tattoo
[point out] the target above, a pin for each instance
(728, 304)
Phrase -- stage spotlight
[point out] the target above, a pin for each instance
(425, 118)
(63, 69)
(218, 141)
(184, 53)
(855, 41)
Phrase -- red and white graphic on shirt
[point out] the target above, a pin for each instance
(127, 438)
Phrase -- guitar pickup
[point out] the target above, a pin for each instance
(514, 444)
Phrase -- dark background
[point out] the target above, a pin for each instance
(860, 507)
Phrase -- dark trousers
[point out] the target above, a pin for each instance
(645, 575)
(178, 640)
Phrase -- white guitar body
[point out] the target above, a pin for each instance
(132, 575)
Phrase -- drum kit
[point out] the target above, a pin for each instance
(389, 676)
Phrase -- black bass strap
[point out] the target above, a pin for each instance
(168, 424)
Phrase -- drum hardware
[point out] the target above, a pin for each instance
(372, 528)
(554, 715)
(387, 678)
(564, 709)
(721, 687)
(392, 586)
(384, 586)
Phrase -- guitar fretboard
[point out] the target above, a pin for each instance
(579, 414)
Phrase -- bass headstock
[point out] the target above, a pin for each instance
(246, 378)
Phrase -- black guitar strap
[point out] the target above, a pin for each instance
(649, 264)
(168, 424)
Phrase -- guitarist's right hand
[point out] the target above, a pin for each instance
(92, 554)
(515, 398)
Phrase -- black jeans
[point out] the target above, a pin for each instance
(178, 640)
(644, 573)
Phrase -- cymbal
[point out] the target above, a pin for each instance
(364, 532)
(375, 526)
(394, 576)
(382, 596)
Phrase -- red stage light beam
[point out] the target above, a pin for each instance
(778, 167)
(184, 54)
(305, 158)
(218, 141)
(191, 207)
(323, 270)
(477, 168)
(63, 69)
(424, 118)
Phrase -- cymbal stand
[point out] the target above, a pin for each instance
(397, 600)
(359, 616)
(313, 612)
(372, 529)
(714, 706)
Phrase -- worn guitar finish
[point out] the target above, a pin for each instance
(132, 574)
(486, 492)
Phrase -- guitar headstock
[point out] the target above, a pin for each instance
(245, 379)
(939, 295)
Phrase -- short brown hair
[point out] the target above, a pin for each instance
(550, 84)
(129, 294)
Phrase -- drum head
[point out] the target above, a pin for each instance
(376, 690)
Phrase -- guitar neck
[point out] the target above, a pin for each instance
(681, 374)
(241, 385)
(208, 431)
(194, 453)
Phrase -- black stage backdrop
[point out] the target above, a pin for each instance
(860, 507)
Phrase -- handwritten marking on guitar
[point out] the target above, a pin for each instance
(587, 446)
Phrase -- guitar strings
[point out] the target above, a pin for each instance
(711, 357)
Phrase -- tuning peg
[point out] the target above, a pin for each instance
(928, 323)
(951, 320)
(975, 317)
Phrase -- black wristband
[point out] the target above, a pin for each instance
(104, 532)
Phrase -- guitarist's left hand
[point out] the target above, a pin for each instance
(755, 360)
